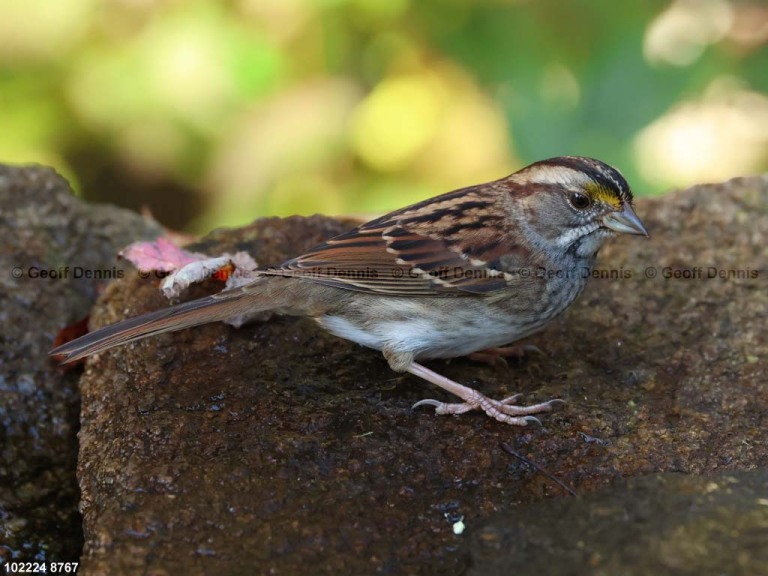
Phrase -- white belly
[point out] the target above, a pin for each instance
(439, 334)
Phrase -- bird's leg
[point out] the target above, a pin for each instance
(496, 357)
(502, 410)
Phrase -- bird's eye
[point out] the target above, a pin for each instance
(579, 201)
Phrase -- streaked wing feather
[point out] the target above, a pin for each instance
(448, 245)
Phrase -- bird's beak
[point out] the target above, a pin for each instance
(625, 221)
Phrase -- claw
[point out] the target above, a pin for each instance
(497, 356)
(510, 399)
(533, 348)
(492, 360)
(427, 402)
(533, 419)
(444, 407)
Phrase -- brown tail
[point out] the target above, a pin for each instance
(194, 313)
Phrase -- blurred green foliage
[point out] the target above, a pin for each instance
(215, 113)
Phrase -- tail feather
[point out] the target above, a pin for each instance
(194, 313)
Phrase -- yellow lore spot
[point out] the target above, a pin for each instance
(604, 195)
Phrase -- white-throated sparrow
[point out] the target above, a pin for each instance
(462, 272)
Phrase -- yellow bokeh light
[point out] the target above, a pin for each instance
(396, 121)
(299, 132)
(679, 35)
(471, 143)
(283, 20)
(184, 55)
(713, 139)
(41, 29)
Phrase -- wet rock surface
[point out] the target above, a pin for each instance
(55, 255)
(277, 448)
(655, 525)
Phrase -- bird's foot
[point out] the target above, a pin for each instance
(503, 410)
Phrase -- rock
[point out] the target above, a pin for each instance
(664, 524)
(280, 448)
(49, 241)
